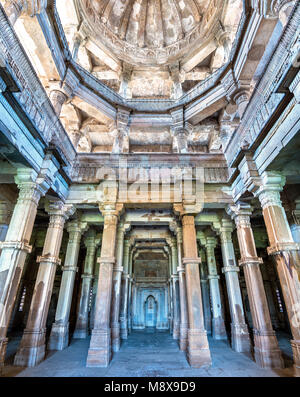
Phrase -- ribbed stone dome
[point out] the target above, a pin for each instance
(150, 31)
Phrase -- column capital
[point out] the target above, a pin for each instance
(240, 213)
(210, 242)
(59, 208)
(30, 188)
(111, 211)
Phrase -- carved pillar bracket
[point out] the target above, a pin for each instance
(121, 142)
(58, 98)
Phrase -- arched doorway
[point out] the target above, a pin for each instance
(150, 312)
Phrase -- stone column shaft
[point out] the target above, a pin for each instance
(198, 350)
(99, 354)
(182, 294)
(240, 340)
(175, 290)
(82, 322)
(205, 295)
(124, 291)
(267, 352)
(116, 294)
(59, 337)
(218, 326)
(32, 347)
(15, 249)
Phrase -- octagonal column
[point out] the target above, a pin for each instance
(59, 336)
(124, 292)
(218, 327)
(175, 289)
(240, 340)
(99, 354)
(205, 291)
(282, 248)
(267, 352)
(82, 323)
(198, 352)
(116, 296)
(16, 247)
(32, 347)
(182, 295)
(95, 284)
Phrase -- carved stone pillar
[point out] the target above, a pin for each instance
(205, 292)
(282, 247)
(5, 217)
(14, 8)
(95, 285)
(116, 295)
(198, 352)
(124, 292)
(32, 347)
(59, 336)
(82, 322)
(175, 288)
(57, 98)
(267, 352)
(131, 298)
(183, 338)
(240, 341)
(16, 247)
(218, 327)
(99, 354)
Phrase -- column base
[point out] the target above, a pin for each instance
(123, 328)
(176, 331)
(59, 337)
(3, 346)
(218, 329)
(80, 333)
(296, 355)
(240, 341)
(99, 354)
(124, 333)
(32, 349)
(266, 351)
(183, 340)
(198, 353)
(115, 337)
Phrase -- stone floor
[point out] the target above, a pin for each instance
(147, 354)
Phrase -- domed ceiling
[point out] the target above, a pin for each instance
(149, 32)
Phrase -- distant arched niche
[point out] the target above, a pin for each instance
(150, 311)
